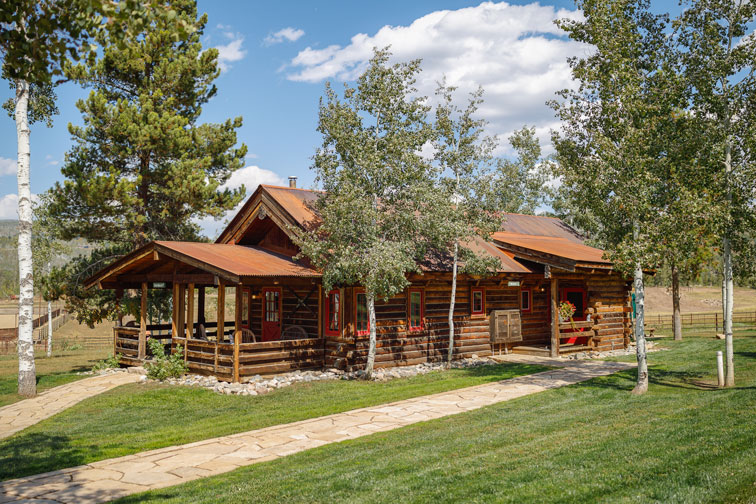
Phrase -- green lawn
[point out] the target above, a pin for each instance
(139, 417)
(59, 369)
(683, 441)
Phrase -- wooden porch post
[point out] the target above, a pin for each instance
(181, 311)
(143, 323)
(554, 350)
(320, 311)
(190, 311)
(221, 310)
(237, 330)
(119, 319)
(175, 316)
(201, 305)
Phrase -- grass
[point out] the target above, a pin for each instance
(138, 417)
(684, 441)
(59, 369)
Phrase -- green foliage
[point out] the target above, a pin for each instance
(458, 214)
(110, 362)
(375, 181)
(142, 167)
(164, 366)
(614, 156)
(520, 185)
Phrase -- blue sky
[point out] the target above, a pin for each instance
(277, 55)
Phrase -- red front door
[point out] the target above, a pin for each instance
(271, 325)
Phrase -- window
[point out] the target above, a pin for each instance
(333, 313)
(525, 299)
(361, 319)
(477, 301)
(271, 305)
(416, 309)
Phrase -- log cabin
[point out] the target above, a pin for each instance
(271, 314)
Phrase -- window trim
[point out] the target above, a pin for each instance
(482, 312)
(357, 292)
(410, 327)
(529, 291)
(327, 321)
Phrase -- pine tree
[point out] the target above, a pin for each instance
(143, 166)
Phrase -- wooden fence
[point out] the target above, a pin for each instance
(9, 336)
(740, 320)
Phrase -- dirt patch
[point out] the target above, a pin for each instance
(697, 300)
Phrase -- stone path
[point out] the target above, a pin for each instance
(22, 414)
(110, 479)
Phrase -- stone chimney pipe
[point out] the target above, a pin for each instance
(293, 181)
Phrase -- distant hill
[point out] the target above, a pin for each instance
(9, 256)
(8, 228)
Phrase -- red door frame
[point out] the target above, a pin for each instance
(271, 329)
(340, 308)
(563, 297)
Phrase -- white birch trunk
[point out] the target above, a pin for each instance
(727, 256)
(371, 348)
(727, 262)
(676, 316)
(49, 328)
(450, 354)
(27, 378)
(640, 334)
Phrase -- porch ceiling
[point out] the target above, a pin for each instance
(162, 260)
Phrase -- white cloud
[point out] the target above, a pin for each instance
(7, 166)
(286, 34)
(250, 177)
(9, 206)
(231, 52)
(515, 52)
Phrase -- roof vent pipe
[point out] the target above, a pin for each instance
(293, 182)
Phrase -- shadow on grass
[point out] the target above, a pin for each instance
(750, 355)
(34, 453)
(502, 371)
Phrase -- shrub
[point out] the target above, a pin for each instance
(113, 361)
(164, 366)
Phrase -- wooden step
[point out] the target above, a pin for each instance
(531, 350)
(568, 349)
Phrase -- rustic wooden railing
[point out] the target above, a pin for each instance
(126, 342)
(281, 356)
(207, 357)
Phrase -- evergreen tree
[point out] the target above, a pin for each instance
(143, 166)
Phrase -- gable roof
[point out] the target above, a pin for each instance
(289, 205)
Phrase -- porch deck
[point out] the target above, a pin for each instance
(211, 357)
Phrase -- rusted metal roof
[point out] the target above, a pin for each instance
(537, 225)
(444, 262)
(557, 246)
(297, 202)
(240, 260)
(234, 262)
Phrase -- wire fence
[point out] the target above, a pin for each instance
(714, 320)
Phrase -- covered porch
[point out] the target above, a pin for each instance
(235, 311)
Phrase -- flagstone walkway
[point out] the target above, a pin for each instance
(110, 479)
(22, 414)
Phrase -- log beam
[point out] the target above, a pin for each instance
(237, 329)
(221, 317)
(142, 348)
(190, 311)
(554, 348)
